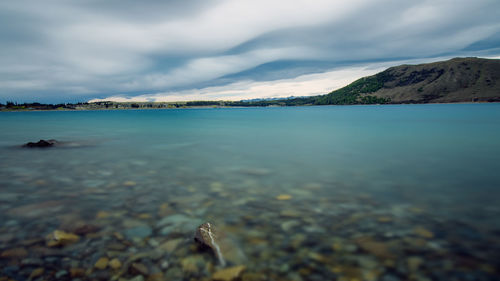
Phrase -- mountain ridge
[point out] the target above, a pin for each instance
(455, 80)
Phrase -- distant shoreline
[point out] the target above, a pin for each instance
(101, 108)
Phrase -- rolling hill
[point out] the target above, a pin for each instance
(455, 80)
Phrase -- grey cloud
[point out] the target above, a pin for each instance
(96, 48)
(378, 26)
(147, 11)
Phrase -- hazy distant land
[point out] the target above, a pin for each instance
(457, 80)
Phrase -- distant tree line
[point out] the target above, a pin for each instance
(38, 106)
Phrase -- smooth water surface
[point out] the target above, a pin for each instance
(396, 192)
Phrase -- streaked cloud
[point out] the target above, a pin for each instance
(59, 50)
(304, 85)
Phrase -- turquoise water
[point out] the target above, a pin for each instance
(349, 173)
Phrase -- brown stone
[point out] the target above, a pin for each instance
(378, 249)
(336, 269)
(317, 257)
(41, 182)
(290, 213)
(129, 183)
(229, 274)
(61, 238)
(337, 246)
(165, 210)
(257, 240)
(14, 253)
(101, 263)
(171, 245)
(102, 215)
(415, 242)
(384, 219)
(304, 271)
(144, 216)
(298, 239)
(351, 272)
(116, 246)
(139, 268)
(156, 277)
(77, 272)
(86, 229)
(115, 264)
(414, 263)
(416, 210)
(189, 264)
(252, 276)
(37, 272)
(422, 232)
(118, 235)
(284, 197)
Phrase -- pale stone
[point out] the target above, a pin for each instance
(101, 263)
(115, 264)
(37, 272)
(284, 197)
(61, 238)
(229, 274)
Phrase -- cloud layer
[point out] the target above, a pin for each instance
(60, 50)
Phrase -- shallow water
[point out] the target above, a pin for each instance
(408, 192)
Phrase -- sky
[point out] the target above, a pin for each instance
(56, 51)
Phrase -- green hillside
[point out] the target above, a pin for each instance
(455, 80)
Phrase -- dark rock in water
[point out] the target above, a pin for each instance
(41, 143)
(58, 144)
(205, 234)
(86, 229)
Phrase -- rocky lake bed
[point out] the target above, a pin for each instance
(294, 194)
(122, 230)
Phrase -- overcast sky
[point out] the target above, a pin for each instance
(67, 51)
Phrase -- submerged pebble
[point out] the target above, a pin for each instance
(142, 231)
(284, 197)
(228, 274)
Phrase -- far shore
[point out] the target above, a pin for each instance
(183, 105)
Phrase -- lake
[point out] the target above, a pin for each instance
(391, 192)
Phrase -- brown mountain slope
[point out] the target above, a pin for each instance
(455, 80)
